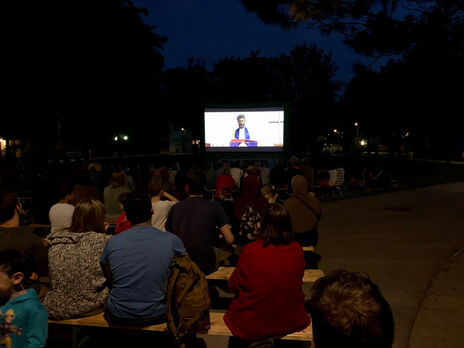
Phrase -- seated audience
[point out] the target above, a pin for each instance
(195, 220)
(22, 239)
(136, 263)
(267, 280)
(122, 223)
(23, 319)
(305, 212)
(348, 310)
(61, 213)
(161, 207)
(78, 286)
(112, 192)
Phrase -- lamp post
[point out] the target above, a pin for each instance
(183, 145)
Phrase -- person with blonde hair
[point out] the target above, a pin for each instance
(112, 192)
(78, 286)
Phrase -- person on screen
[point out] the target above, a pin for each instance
(242, 133)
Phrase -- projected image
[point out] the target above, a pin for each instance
(253, 129)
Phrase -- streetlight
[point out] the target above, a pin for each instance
(125, 137)
(116, 138)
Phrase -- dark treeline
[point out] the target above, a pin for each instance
(85, 72)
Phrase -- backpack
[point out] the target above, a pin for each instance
(187, 299)
(250, 225)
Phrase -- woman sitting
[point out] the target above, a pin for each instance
(267, 280)
(78, 287)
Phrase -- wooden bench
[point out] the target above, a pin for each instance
(218, 327)
(224, 273)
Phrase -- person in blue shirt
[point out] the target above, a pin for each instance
(242, 133)
(23, 319)
(136, 263)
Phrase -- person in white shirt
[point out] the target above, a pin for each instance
(160, 207)
(236, 173)
(61, 213)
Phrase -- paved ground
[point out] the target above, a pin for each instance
(404, 241)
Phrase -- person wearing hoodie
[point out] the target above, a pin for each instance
(78, 286)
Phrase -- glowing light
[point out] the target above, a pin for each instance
(335, 131)
(362, 142)
(125, 137)
(356, 124)
(115, 138)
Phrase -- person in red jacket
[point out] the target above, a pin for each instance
(267, 280)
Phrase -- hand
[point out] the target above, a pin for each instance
(34, 276)
(107, 225)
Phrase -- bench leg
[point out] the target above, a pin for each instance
(75, 332)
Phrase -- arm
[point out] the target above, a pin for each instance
(106, 271)
(37, 328)
(227, 233)
(170, 197)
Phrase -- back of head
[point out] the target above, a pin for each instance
(299, 185)
(154, 187)
(64, 190)
(348, 310)
(225, 171)
(293, 160)
(268, 189)
(89, 215)
(12, 261)
(8, 203)
(138, 208)
(196, 182)
(118, 178)
(277, 227)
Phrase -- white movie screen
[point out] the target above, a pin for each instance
(245, 129)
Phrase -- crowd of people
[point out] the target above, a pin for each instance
(110, 249)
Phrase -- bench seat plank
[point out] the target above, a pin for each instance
(224, 273)
(218, 326)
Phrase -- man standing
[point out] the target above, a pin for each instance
(136, 262)
(195, 220)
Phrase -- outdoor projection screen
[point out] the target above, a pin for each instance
(262, 129)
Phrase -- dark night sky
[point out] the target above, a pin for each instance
(212, 29)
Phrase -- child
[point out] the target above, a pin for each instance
(23, 319)
(122, 224)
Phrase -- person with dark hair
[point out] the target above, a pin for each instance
(23, 319)
(136, 263)
(242, 133)
(267, 280)
(61, 213)
(22, 238)
(78, 287)
(195, 219)
(348, 310)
